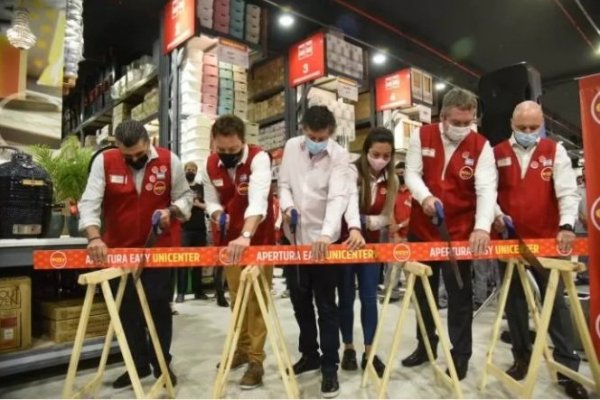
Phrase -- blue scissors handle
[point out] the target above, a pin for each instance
(222, 221)
(156, 223)
(294, 217)
(510, 226)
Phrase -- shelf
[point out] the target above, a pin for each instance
(49, 354)
(363, 123)
(271, 120)
(19, 252)
(149, 118)
(265, 94)
(134, 95)
(212, 32)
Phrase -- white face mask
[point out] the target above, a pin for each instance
(457, 133)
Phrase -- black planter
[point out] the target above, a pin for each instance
(73, 226)
(57, 224)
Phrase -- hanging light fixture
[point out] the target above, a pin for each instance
(19, 34)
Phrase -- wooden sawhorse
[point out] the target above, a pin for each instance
(414, 271)
(253, 281)
(559, 269)
(102, 278)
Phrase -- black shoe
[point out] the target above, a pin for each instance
(221, 300)
(200, 296)
(377, 364)
(180, 298)
(157, 374)
(330, 387)
(462, 366)
(573, 389)
(519, 369)
(419, 356)
(124, 380)
(306, 364)
(349, 360)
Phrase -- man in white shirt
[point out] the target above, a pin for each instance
(537, 189)
(450, 164)
(313, 180)
(125, 187)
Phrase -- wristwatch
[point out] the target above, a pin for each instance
(246, 235)
(566, 227)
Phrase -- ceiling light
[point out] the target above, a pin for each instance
(440, 86)
(19, 34)
(286, 20)
(379, 58)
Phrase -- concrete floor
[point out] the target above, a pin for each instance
(199, 332)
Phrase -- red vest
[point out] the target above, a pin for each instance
(233, 196)
(376, 208)
(456, 189)
(402, 210)
(531, 202)
(127, 215)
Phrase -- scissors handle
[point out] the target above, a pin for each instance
(294, 220)
(223, 222)
(510, 226)
(439, 211)
(156, 222)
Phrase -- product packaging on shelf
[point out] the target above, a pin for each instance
(15, 313)
(60, 319)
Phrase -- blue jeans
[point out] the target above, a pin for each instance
(368, 278)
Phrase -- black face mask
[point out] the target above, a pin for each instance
(137, 164)
(190, 176)
(401, 179)
(230, 160)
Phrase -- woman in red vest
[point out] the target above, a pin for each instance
(369, 211)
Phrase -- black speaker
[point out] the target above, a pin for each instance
(500, 91)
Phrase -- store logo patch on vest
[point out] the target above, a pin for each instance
(534, 165)
(504, 162)
(428, 152)
(242, 188)
(243, 178)
(383, 191)
(547, 163)
(546, 174)
(161, 176)
(470, 162)
(159, 188)
(465, 173)
(402, 252)
(595, 108)
(595, 213)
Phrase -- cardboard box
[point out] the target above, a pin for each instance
(15, 313)
(64, 330)
(363, 107)
(210, 59)
(226, 74)
(209, 109)
(427, 88)
(210, 70)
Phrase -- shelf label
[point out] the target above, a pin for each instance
(233, 53)
(307, 60)
(347, 89)
(393, 91)
(179, 23)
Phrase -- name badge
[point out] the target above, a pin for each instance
(218, 182)
(469, 161)
(547, 163)
(161, 176)
(428, 152)
(504, 162)
(118, 179)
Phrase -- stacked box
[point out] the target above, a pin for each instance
(121, 112)
(210, 84)
(363, 106)
(195, 139)
(60, 319)
(205, 12)
(344, 113)
(272, 136)
(236, 18)
(252, 133)
(266, 109)
(191, 79)
(240, 89)
(344, 57)
(226, 92)
(252, 30)
(221, 16)
(15, 313)
(266, 77)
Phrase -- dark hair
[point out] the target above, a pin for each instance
(130, 132)
(228, 125)
(317, 118)
(401, 165)
(377, 135)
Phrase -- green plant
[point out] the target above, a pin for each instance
(68, 168)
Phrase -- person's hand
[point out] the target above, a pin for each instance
(429, 205)
(199, 204)
(479, 241)
(236, 248)
(287, 215)
(565, 240)
(165, 218)
(355, 240)
(319, 247)
(97, 251)
(499, 224)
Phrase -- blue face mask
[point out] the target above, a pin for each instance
(527, 139)
(315, 147)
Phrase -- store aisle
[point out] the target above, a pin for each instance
(199, 332)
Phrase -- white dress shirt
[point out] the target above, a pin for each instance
(90, 205)
(352, 214)
(258, 186)
(317, 187)
(565, 182)
(486, 177)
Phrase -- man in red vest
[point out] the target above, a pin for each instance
(537, 189)
(237, 182)
(125, 187)
(449, 163)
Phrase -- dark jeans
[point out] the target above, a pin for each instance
(190, 239)
(157, 286)
(368, 278)
(316, 284)
(560, 329)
